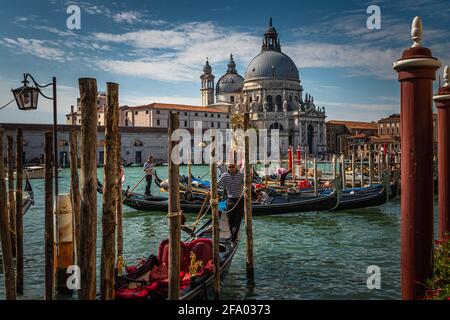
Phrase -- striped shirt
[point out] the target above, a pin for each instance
(148, 167)
(232, 183)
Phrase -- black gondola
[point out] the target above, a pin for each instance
(277, 205)
(144, 286)
(28, 196)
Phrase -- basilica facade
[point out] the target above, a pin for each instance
(271, 90)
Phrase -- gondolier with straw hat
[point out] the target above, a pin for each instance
(232, 182)
(148, 169)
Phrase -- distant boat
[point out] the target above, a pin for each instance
(34, 172)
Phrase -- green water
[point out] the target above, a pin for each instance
(315, 255)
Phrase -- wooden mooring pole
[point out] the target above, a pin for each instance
(75, 186)
(64, 242)
(88, 207)
(370, 168)
(248, 203)
(174, 214)
(11, 194)
(110, 178)
(344, 176)
(353, 170)
(442, 100)
(416, 72)
(362, 170)
(215, 217)
(7, 256)
(48, 217)
(119, 240)
(19, 212)
(333, 166)
(315, 175)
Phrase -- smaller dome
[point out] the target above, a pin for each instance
(229, 83)
(207, 68)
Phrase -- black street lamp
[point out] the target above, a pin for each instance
(27, 99)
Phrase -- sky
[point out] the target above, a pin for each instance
(155, 50)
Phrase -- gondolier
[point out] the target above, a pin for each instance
(148, 169)
(232, 181)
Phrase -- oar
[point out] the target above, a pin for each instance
(137, 184)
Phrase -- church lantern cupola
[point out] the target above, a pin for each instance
(207, 85)
(271, 41)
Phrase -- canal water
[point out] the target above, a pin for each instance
(314, 255)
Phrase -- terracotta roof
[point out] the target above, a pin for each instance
(178, 107)
(381, 139)
(355, 124)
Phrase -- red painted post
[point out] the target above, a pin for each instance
(416, 72)
(442, 100)
(290, 158)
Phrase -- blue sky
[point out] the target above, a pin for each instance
(155, 49)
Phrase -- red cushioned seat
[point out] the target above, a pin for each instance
(202, 247)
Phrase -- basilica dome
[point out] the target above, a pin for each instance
(231, 81)
(272, 64)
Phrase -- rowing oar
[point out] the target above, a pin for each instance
(137, 184)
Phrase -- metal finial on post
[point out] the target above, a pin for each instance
(446, 76)
(416, 32)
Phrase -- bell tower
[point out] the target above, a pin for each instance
(207, 85)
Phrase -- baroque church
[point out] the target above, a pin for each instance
(272, 88)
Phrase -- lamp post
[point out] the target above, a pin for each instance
(27, 99)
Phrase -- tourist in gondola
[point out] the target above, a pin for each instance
(148, 169)
(232, 181)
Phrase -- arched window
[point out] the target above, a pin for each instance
(290, 98)
(269, 103)
(279, 102)
(276, 125)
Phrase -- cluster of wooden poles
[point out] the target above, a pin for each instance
(11, 216)
(373, 171)
(74, 218)
(174, 214)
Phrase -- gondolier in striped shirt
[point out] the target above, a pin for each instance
(148, 169)
(232, 181)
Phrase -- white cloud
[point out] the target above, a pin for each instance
(38, 48)
(127, 16)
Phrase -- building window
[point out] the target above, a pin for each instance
(212, 115)
(218, 116)
(146, 111)
(269, 103)
(185, 124)
(206, 115)
(185, 113)
(218, 125)
(158, 112)
(157, 122)
(228, 126)
(136, 112)
(196, 114)
(279, 102)
(126, 122)
(212, 124)
(232, 99)
(228, 116)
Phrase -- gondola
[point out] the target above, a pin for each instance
(146, 282)
(349, 201)
(277, 204)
